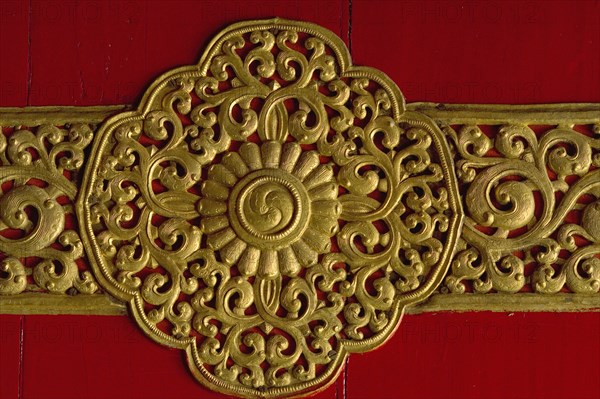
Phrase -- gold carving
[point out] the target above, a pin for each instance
(503, 175)
(271, 209)
(275, 208)
(532, 194)
(39, 169)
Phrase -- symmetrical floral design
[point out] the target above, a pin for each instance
(274, 208)
(271, 209)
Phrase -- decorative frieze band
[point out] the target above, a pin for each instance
(274, 208)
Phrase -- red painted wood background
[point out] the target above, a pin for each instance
(107, 52)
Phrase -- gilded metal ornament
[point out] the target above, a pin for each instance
(274, 208)
(271, 209)
(532, 198)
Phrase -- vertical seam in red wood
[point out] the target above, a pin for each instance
(345, 378)
(345, 381)
(349, 37)
(29, 67)
(22, 318)
(21, 365)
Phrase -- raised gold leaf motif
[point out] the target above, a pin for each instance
(271, 209)
(274, 208)
(38, 176)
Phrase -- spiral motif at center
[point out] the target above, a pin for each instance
(269, 206)
(271, 209)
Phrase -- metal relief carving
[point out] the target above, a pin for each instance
(275, 208)
(271, 209)
(508, 229)
(530, 185)
(38, 186)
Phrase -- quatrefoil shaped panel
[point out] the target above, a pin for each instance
(271, 209)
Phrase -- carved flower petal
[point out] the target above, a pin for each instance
(289, 156)
(235, 164)
(251, 155)
(271, 151)
(269, 264)
(248, 264)
(305, 254)
(218, 240)
(288, 262)
(214, 223)
(231, 252)
(307, 162)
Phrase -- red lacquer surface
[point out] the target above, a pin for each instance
(89, 53)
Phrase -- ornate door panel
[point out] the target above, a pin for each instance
(107, 52)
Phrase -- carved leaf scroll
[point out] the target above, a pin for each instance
(532, 197)
(274, 208)
(271, 209)
(40, 246)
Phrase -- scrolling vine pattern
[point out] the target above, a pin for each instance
(532, 197)
(40, 246)
(274, 208)
(271, 209)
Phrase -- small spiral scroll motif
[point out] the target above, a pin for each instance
(40, 247)
(267, 206)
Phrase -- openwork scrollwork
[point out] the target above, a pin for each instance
(271, 209)
(532, 201)
(274, 208)
(40, 247)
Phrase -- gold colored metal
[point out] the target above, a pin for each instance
(41, 158)
(500, 302)
(270, 210)
(275, 208)
(532, 197)
(39, 303)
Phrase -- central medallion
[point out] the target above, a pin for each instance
(270, 208)
(324, 209)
